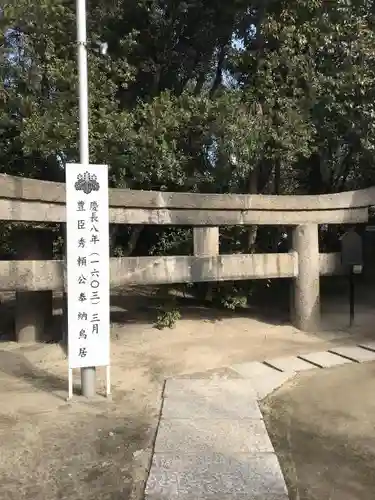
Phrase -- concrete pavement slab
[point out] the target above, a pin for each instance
(228, 399)
(215, 477)
(325, 359)
(266, 385)
(213, 374)
(368, 345)
(202, 436)
(354, 353)
(290, 364)
(206, 387)
(253, 369)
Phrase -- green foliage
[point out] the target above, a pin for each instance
(167, 317)
(187, 142)
(318, 65)
(5, 246)
(234, 301)
(233, 295)
(38, 119)
(201, 95)
(173, 241)
(176, 106)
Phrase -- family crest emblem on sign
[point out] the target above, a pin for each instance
(87, 183)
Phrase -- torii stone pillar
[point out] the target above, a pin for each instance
(206, 243)
(305, 305)
(33, 311)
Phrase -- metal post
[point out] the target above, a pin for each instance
(70, 384)
(351, 296)
(88, 375)
(108, 381)
(83, 87)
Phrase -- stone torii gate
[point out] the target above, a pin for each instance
(35, 274)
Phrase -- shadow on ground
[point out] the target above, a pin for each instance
(322, 427)
(16, 365)
(134, 310)
(140, 305)
(75, 454)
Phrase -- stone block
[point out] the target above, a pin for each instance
(222, 407)
(325, 359)
(354, 353)
(224, 399)
(370, 346)
(290, 364)
(266, 385)
(203, 436)
(223, 373)
(206, 387)
(215, 477)
(253, 369)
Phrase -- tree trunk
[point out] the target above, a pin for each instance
(132, 241)
(219, 69)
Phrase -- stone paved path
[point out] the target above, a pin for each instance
(212, 442)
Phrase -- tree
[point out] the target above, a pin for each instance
(200, 95)
(39, 111)
(311, 65)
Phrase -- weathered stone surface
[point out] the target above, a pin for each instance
(206, 240)
(325, 359)
(206, 387)
(290, 364)
(33, 311)
(354, 353)
(202, 436)
(34, 189)
(30, 275)
(41, 211)
(226, 399)
(212, 442)
(223, 373)
(216, 477)
(48, 275)
(305, 307)
(253, 369)
(368, 345)
(266, 385)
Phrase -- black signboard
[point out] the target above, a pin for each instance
(351, 249)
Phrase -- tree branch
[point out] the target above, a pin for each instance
(133, 240)
(219, 69)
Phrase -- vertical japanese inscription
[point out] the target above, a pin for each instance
(88, 265)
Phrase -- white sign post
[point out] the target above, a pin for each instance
(88, 284)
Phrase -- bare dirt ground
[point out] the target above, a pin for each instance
(322, 427)
(51, 449)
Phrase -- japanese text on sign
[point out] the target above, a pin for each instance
(88, 265)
